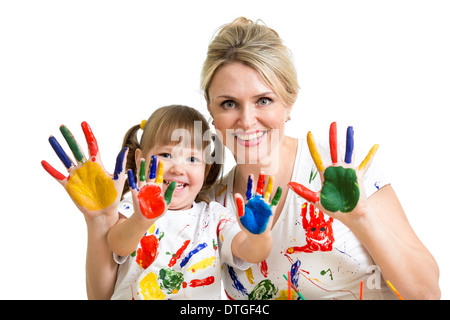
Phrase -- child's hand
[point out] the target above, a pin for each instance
(93, 190)
(147, 196)
(257, 214)
(342, 183)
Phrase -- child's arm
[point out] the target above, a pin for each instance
(254, 243)
(149, 205)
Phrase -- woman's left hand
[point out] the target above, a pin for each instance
(342, 195)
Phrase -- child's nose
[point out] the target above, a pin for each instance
(177, 168)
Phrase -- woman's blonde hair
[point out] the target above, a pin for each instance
(158, 131)
(258, 46)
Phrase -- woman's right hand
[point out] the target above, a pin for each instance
(94, 191)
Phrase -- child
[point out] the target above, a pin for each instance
(173, 243)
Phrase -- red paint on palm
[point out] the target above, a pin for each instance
(151, 201)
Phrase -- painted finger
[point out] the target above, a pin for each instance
(365, 164)
(260, 185)
(142, 171)
(239, 204)
(60, 152)
(52, 171)
(120, 163)
(349, 145)
(131, 181)
(159, 174)
(249, 192)
(314, 152)
(277, 197)
(304, 192)
(269, 189)
(90, 139)
(169, 192)
(153, 164)
(73, 144)
(333, 143)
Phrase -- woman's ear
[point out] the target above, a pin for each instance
(287, 112)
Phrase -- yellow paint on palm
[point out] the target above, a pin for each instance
(150, 289)
(268, 189)
(159, 175)
(202, 264)
(314, 152)
(369, 157)
(90, 187)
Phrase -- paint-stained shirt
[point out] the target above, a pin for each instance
(324, 258)
(180, 256)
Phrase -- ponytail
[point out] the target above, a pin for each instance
(131, 141)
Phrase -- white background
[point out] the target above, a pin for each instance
(381, 66)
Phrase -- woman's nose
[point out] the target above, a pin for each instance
(247, 117)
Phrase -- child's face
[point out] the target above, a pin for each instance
(186, 166)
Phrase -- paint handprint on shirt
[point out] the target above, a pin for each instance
(318, 232)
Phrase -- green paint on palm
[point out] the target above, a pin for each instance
(340, 191)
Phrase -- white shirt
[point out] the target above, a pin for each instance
(180, 256)
(329, 267)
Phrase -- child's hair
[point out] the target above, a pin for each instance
(158, 130)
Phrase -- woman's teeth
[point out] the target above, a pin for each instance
(249, 137)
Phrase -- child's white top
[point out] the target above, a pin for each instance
(180, 256)
(327, 264)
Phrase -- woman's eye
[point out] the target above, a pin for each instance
(228, 104)
(264, 101)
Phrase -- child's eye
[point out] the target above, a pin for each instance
(193, 160)
(165, 155)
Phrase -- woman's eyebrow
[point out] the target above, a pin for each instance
(259, 95)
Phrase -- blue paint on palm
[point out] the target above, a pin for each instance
(257, 215)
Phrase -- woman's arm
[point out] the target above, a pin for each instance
(96, 193)
(379, 221)
(395, 248)
(101, 269)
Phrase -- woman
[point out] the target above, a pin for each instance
(250, 86)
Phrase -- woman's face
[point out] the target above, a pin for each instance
(248, 116)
